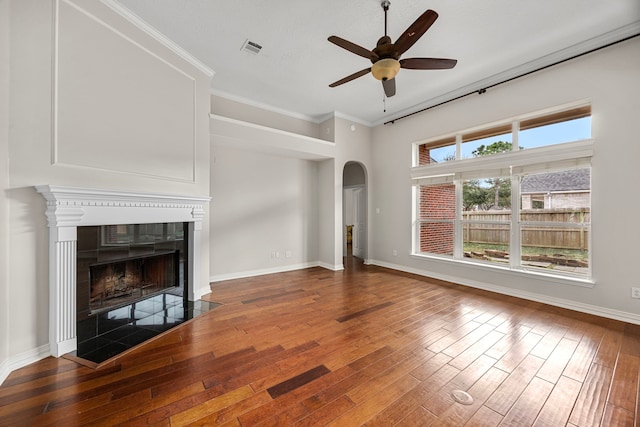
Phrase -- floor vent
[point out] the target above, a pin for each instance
(251, 47)
(463, 397)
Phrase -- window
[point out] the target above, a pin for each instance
(486, 142)
(437, 151)
(486, 218)
(556, 236)
(516, 195)
(566, 126)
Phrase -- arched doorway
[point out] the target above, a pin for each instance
(354, 214)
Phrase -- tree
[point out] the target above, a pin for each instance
(493, 148)
(475, 195)
(499, 189)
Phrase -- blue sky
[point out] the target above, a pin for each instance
(572, 130)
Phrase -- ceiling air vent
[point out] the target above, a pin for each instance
(251, 47)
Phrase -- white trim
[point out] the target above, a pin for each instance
(55, 141)
(240, 134)
(5, 370)
(21, 360)
(261, 272)
(204, 290)
(521, 272)
(270, 129)
(567, 151)
(292, 114)
(335, 267)
(93, 197)
(266, 107)
(557, 302)
(339, 115)
(157, 36)
(273, 270)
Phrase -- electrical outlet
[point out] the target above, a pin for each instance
(635, 292)
(395, 252)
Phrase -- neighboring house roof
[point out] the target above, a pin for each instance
(569, 180)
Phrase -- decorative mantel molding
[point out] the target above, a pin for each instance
(67, 206)
(72, 207)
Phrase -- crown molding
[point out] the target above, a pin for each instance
(262, 106)
(339, 115)
(157, 35)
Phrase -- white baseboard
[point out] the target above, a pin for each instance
(261, 272)
(336, 267)
(558, 302)
(203, 291)
(23, 359)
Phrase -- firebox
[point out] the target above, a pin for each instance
(121, 281)
(120, 264)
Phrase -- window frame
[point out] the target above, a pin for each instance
(561, 156)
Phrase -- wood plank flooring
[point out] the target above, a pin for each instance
(364, 347)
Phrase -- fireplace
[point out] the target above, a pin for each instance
(120, 264)
(120, 282)
(73, 213)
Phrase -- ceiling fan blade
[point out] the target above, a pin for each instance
(428, 63)
(415, 31)
(351, 77)
(389, 87)
(353, 48)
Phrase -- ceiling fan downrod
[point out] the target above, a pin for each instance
(385, 6)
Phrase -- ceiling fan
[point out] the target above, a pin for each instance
(385, 57)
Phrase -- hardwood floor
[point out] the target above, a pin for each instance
(367, 346)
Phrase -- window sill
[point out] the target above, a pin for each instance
(556, 278)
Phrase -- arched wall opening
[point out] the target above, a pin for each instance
(354, 210)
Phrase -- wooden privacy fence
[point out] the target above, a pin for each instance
(477, 228)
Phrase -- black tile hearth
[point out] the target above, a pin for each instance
(107, 334)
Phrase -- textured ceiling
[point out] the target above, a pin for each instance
(491, 39)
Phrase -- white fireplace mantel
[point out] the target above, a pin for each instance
(72, 207)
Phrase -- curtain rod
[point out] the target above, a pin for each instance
(484, 89)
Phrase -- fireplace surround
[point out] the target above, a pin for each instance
(71, 207)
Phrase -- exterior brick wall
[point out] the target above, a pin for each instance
(437, 202)
(424, 157)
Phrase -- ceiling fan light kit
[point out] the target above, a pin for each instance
(385, 69)
(385, 57)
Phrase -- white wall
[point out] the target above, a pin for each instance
(281, 181)
(260, 116)
(327, 214)
(261, 204)
(354, 143)
(4, 184)
(609, 80)
(47, 147)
